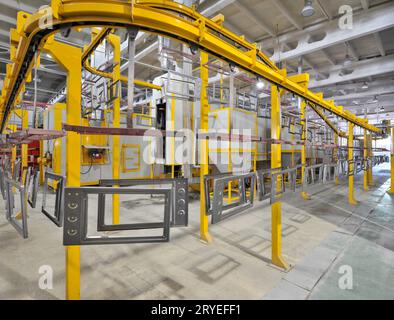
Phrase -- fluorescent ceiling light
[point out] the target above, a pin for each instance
(308, 10)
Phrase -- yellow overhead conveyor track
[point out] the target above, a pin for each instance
(161, 17)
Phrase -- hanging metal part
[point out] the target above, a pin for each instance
(32, 188)
(59, 183)
(3, 175)
(19, 225)
(278, 193)
(179, 198)
(330, 172)
(17, 170)
(263, 184)
(313, 175)
(75, 231)
(216, 208)
(132, 32)
(35, 90)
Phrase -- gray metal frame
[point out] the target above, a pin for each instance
(3, 175)
(57, 218)
(17, 170)
(327, 173)
(279, 194)
(32, 194)
(76, 217)
(262, 189)
(180, 196)
(215, 208)
(20, 227)
(310, 178)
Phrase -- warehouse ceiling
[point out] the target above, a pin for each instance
(315, 44)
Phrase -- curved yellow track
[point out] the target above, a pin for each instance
(162, 17)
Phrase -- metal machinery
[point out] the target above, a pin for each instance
(199, 123)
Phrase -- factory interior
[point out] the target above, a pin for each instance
(197, 150)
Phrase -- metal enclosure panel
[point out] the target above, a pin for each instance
(57, 218)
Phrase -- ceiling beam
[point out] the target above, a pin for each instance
(216, 7)
(362, 69)
(364, 23)
(379, 44)
(323, 9)
(365, 94)
(286, 12)
(255, 18)
(365, 4)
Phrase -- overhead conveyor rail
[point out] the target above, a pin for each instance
(163, 17)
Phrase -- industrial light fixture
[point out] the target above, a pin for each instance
(308, 10)
(365, 86)
(375, 99)
(260, 84)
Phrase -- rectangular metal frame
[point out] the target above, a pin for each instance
(310, 176)
(57, 218)
(278, 194)
(180, 196)
(76, 217)
(3, 174)
(32, 194)
(20, 227)
(327, 173)
(215, 208)
(263, 191)
(17, 170)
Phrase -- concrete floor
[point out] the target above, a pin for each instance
(319, 236)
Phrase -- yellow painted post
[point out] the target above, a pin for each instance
(370, 154)
(57, 145)
(70, 58)
(351, 164)
(365, 156)
(24, 147)
(276, 162)
(13, 128)
(41, 164)
(114, 40)
(304, 194)
(335, 154)
(204, 167)
(392, 161)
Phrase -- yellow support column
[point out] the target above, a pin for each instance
(392, 161)
(351, 165)
(24, 147)
(370, 155)
(335, 154)
(115, 43)
(57, 145)
(304, 194)
(276, 162)
(70, 58)
(204, 167)
(365, 156)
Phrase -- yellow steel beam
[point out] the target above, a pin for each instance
(392, 161)
(70, 58)
(204, 166)
(97, 38)
(276, 162)
(162, 17)
(115, 43)
(352, 200)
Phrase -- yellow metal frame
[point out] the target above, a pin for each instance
(69, 58)
(392, 161)
(124, 158)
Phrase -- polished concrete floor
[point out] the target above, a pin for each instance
(321, 237)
